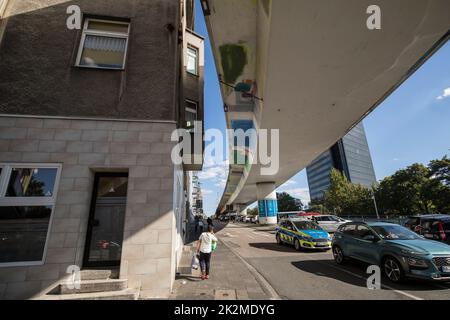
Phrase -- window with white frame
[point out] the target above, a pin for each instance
(190, 115)
(103, 44)
(192, 60)
(27, 201)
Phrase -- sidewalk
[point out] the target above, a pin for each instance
(230, 279)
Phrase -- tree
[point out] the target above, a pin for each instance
(344, 197)
(406, 192)
(253, 211)
(288, 203)
(440, 170)
(438, 189)
(317, 205)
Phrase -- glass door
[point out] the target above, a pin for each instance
(106, 220)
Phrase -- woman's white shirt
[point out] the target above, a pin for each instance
(206, 242)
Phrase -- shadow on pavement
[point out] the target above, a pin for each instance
(272, 246)
(188, 278)
(320, 269)
(324, 268)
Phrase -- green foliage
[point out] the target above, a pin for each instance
(252, 212)
(406, 191)
(417, 189)
(288, 203)
(344, 197)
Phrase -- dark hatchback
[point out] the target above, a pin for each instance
(431, 226)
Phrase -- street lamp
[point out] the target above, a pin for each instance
(375, 204)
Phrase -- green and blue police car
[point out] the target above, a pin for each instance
(302, 234)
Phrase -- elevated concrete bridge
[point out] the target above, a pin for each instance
(311, 69)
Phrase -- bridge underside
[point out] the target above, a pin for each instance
(312, 69)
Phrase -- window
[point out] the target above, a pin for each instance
(103, 44)
(190, 115)
(192, 60)
(362, 232)
(349, 229)
(27, 200)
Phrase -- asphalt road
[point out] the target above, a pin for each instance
(314, 275)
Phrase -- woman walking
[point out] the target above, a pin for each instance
(204, 249)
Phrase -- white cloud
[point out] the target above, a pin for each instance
(216, 172)
(222, 183)
(300, 193)
(395, 159)
(206, 191)
(445, 94)
(288, 183)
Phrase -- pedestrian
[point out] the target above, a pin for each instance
(196, 223)
(200, 225)
(204, 249)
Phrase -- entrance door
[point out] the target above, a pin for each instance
(106, 220)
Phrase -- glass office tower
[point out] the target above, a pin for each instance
(350, 155)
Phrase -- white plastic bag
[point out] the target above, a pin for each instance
(195, 262)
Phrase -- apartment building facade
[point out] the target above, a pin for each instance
(86, 123)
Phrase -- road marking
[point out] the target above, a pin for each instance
(230, 235)
(361, 277)
(261, 234)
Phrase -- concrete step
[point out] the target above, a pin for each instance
(88, 286)
(127, 294)
(97, 274)
(184, 266)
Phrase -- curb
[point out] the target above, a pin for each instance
(266, 286)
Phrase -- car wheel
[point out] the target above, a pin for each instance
(393, 269)
(338, 255)
(279, 239)
(297, 245)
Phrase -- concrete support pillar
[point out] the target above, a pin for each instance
(267, 203)
(242, 209)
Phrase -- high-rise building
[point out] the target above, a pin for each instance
(86, 119)
(350, 155)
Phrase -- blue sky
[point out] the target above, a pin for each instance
(411, 125)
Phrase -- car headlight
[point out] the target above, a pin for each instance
(309, 239)
(414, 253)
(417, 262)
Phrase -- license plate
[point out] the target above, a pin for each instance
(446, 269)
(321, 245)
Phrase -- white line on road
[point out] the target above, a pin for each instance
(261, 234)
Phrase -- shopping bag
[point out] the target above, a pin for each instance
(213, 245)
(195, 262)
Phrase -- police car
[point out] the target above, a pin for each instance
(303, 234)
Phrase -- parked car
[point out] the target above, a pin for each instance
(302, 233)
(400, 252)
(254, 219)
(328, 222)
(431, 226)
